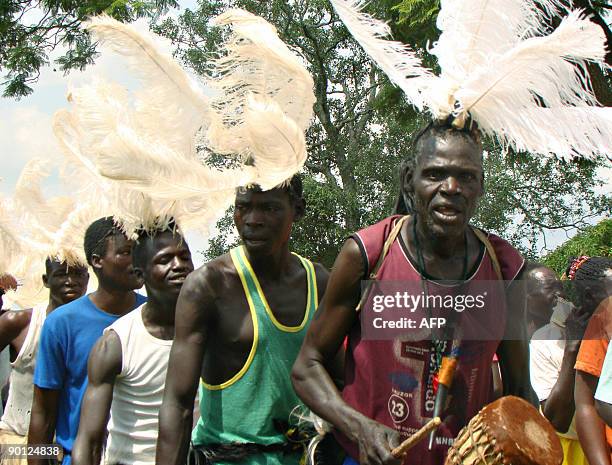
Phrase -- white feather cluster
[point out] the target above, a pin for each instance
(500, 64)
(140, 148)
(36, 227)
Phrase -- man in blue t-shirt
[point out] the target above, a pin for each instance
(69, 333)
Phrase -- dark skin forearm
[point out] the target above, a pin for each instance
(605, 411)
(42, 420)
(559, 408)
(175, 423)
(311, 379)
(184, 368)
(590, 428)
(513, 351)
(514, 366)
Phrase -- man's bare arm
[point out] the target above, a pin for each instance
(559, 408)
(605, 411)
(43, 419)
(513, 351)
(12, 323)
(102, 368)
(194, 311)
(590, 428)
(311, 379)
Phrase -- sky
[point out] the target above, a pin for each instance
(25, 128)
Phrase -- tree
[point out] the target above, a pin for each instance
(362, 130)
(31, 30)
(593, 241)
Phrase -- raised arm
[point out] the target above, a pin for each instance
(194, 313)
(311, 379)
(559, 406)
(102, 369)
(590, 428)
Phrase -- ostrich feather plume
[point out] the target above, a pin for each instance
(36, 227)
(10, 246)
(500, 63)
(142, 150)
(397, 60)
(167, 89)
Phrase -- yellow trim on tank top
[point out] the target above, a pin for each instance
(249, 360)
(316, 288)
(278, 324)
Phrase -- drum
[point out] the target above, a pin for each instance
(509, 431)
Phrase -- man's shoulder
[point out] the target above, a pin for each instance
(16, 319)
(68, 312)
(548, 335)
(378, 228)
(127, 318)
(211, 276)
(510, 259)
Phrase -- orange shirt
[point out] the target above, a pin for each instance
(595, 345)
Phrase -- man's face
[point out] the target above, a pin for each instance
(65, 283)
(168, 265)
(543, 290)
(264, 219)
(115, 265)
(447, 183)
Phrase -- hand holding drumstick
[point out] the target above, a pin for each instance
(412, 441)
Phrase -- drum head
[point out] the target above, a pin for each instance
(521, 432)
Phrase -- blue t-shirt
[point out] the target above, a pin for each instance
(66, 339)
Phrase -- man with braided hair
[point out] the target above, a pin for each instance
(593, 278)
(441, 185)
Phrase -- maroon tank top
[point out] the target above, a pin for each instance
(392, 381)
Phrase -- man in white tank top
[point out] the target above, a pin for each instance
(20, 330)
(127, 366)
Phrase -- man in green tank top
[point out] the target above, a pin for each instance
(240, 322)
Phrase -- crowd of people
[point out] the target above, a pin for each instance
(111, 375)
(262, 356)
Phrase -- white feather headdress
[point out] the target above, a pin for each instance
(36, 227)
(501, 65)
(143, 146)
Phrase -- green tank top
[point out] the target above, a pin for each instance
(244, 408)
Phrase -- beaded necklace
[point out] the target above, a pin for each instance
(439, 345)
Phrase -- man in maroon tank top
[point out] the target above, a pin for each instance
(390, 384)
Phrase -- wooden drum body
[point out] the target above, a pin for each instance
(509, 431)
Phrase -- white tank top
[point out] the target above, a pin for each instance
(16, 416)
(137, 394)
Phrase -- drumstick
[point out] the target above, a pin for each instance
(416, 437)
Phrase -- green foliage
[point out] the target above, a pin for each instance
(418, 17)
(593, 241)
(31, 30)
(525, 196)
